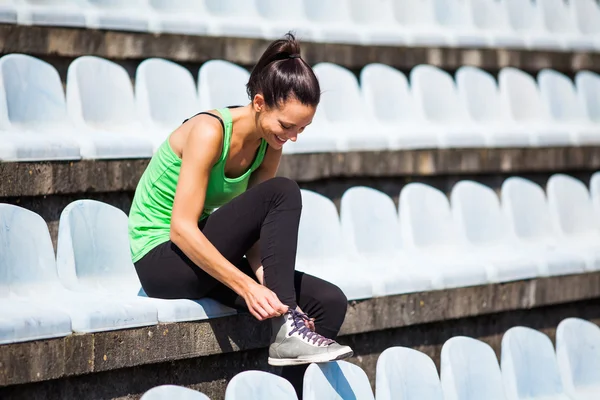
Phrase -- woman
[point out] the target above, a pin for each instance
(243, 253)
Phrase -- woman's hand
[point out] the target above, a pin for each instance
(263, 303)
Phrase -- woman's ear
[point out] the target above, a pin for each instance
(258, 102)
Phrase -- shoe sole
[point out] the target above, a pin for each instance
(282, 362)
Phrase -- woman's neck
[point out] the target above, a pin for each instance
(244, 124)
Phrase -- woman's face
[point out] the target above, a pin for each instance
(280, 124)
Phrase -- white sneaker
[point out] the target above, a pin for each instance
(293, 343)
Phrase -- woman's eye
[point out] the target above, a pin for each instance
(285, 127)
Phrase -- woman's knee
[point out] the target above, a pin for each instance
(284, 190)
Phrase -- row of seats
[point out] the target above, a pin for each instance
(530, 369)
(543, 24)
(101, 117)
(369, 250)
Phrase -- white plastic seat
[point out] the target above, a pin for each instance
(438, 103)
(587, 19)
(165, 95)
(8, 12)
(476, 211)
(50, 12)
(221, 84)
(101, 104)
(491, 17)
(169, 392)
(429, 232)
(520, 95)
(417, 18)
(407, 374)
(559, 20)
(479, 92)
(345, 118)
(322, 251)
(558, 93)
(456, 17)
(529, 367)
(370, 225)
(389, 100)
(525, 17)
(33, 114)
(187, 17)
(29, 271)
(238, 18)
(334, 21)
(336, 380)
(259, 385)
(22, 321)
(578, 355)
(573, 217)
(470, 370)
(527, 214)
(588, 90)
(377, 23)
(93, 257)
(286, 16)
(118, 15)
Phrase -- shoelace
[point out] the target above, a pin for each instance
(298, 319)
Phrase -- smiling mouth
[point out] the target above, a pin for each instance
(280, 139)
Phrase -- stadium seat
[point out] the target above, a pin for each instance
(370, 225)
(336, 380)
(470, 370)
(169, 392)
(573, 217)
(237, 18)
(187, 17)
(286, 16)
(491, 18)
(101, 104)
(93, 257)
(479, 93)
(476, 211)
(520, 95)
(437, 101)
(131, 15)
(529, 367)
(344, 111)
(429, 232)
(51, 13)
(527, 214)
(407, 374)
(33, 118)
(322, 251)
(578, 355)
(378, 24)
(259, 385)
(417, 18)
(8, 12)
(559, 19)
(588, 90)
(525, 18)
(165, 95)
(595, 193)
(22, 321)
(388, 99)
(222, 84)
(30, 273)
(456, 18)
(559, 95)
(587, 19)
(334, 20)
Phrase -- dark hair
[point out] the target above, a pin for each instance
(281, 73)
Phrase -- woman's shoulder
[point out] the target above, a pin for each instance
(200, 133)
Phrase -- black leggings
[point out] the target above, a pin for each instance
(268, 213)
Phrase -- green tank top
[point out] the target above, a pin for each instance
(150, 213)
